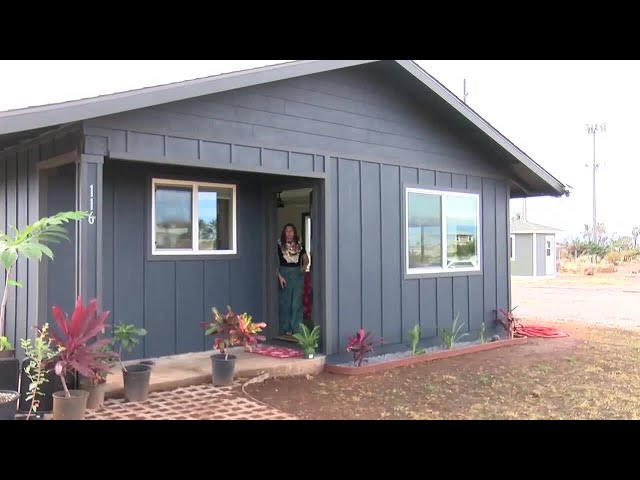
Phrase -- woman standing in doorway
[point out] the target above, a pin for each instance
(293, 264)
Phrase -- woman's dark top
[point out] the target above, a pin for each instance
(291, 258)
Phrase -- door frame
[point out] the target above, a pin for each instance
(318, 242)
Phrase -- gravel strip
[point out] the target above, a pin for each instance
(387, 357)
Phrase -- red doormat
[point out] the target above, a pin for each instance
(277, 352)
(539, 332)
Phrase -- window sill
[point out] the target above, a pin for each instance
(442, 274)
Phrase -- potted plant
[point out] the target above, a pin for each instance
(308, 340)
(229, 330)
(136, 377)
(29, 243)
(8, 404)
(97, 385)
(39, 354)
(77, 356)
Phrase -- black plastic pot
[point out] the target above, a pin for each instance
(136, 382)
(8, 409)
(53, 384)
(70, 408)
(222, 369)
(9, 370)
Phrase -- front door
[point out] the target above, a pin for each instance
(550, 256)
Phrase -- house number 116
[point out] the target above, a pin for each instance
(92, 217)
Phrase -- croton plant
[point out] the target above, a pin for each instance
(232, 329)
(72, 341)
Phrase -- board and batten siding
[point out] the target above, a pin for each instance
(371, 291)
(366, 131)
(168, 297)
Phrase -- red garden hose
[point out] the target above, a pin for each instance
(539, 331)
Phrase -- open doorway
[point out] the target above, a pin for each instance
(294, 206)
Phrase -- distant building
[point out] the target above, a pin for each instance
(532, 249)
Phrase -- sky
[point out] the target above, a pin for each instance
(542, 106)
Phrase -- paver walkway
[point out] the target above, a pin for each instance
(197, 402)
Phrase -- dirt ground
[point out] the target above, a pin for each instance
(592, 374)
(604, 300)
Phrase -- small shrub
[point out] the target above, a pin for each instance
(508, 320)
(308, 339)
(452, 336)
(414, 338)
(360, 345)
(589, 271)
(39, 353)
(613, 257)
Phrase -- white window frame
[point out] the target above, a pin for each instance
(512, 242)
(443, 194)
(163, 182)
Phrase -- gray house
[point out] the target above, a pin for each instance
(408, 187)
(532, 249)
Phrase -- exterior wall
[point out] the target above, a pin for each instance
(169, 297)
(19, 206)
(360, 128)
(541, 259)
(523, 263)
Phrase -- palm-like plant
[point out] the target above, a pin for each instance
(308, 339)
(452, 336)
(30, 243)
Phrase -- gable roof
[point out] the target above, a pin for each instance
(522, 226)
(39, 117)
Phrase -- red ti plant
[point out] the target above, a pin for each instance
(74, 352)
(508, 320)
(360, 345)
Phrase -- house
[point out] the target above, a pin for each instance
(182, 182)
(532, 249)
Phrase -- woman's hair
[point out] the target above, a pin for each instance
(283, 235)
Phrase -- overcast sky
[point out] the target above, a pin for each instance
(541, 106)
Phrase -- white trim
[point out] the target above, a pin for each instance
(535, 260)
(512, 244)
(443, 215)
(547, 232)
(194, 218)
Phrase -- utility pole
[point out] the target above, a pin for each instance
(464, 96)
(592, 130)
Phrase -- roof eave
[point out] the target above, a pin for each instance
(556, 188)
(66, 112)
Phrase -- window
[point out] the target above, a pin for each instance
(548, 248)
(193, 218)
(512, 247)
(442, 231)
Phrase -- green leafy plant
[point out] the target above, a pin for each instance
(308, 339)
(452, 336)
(481, 338)
(125, 337)
(414, 338)
(39, 353)
(4, 344)
(30, 243)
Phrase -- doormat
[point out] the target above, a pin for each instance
(277, 352)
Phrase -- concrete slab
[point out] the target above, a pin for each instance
(195, 368)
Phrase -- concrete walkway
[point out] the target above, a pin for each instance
(195, 368)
